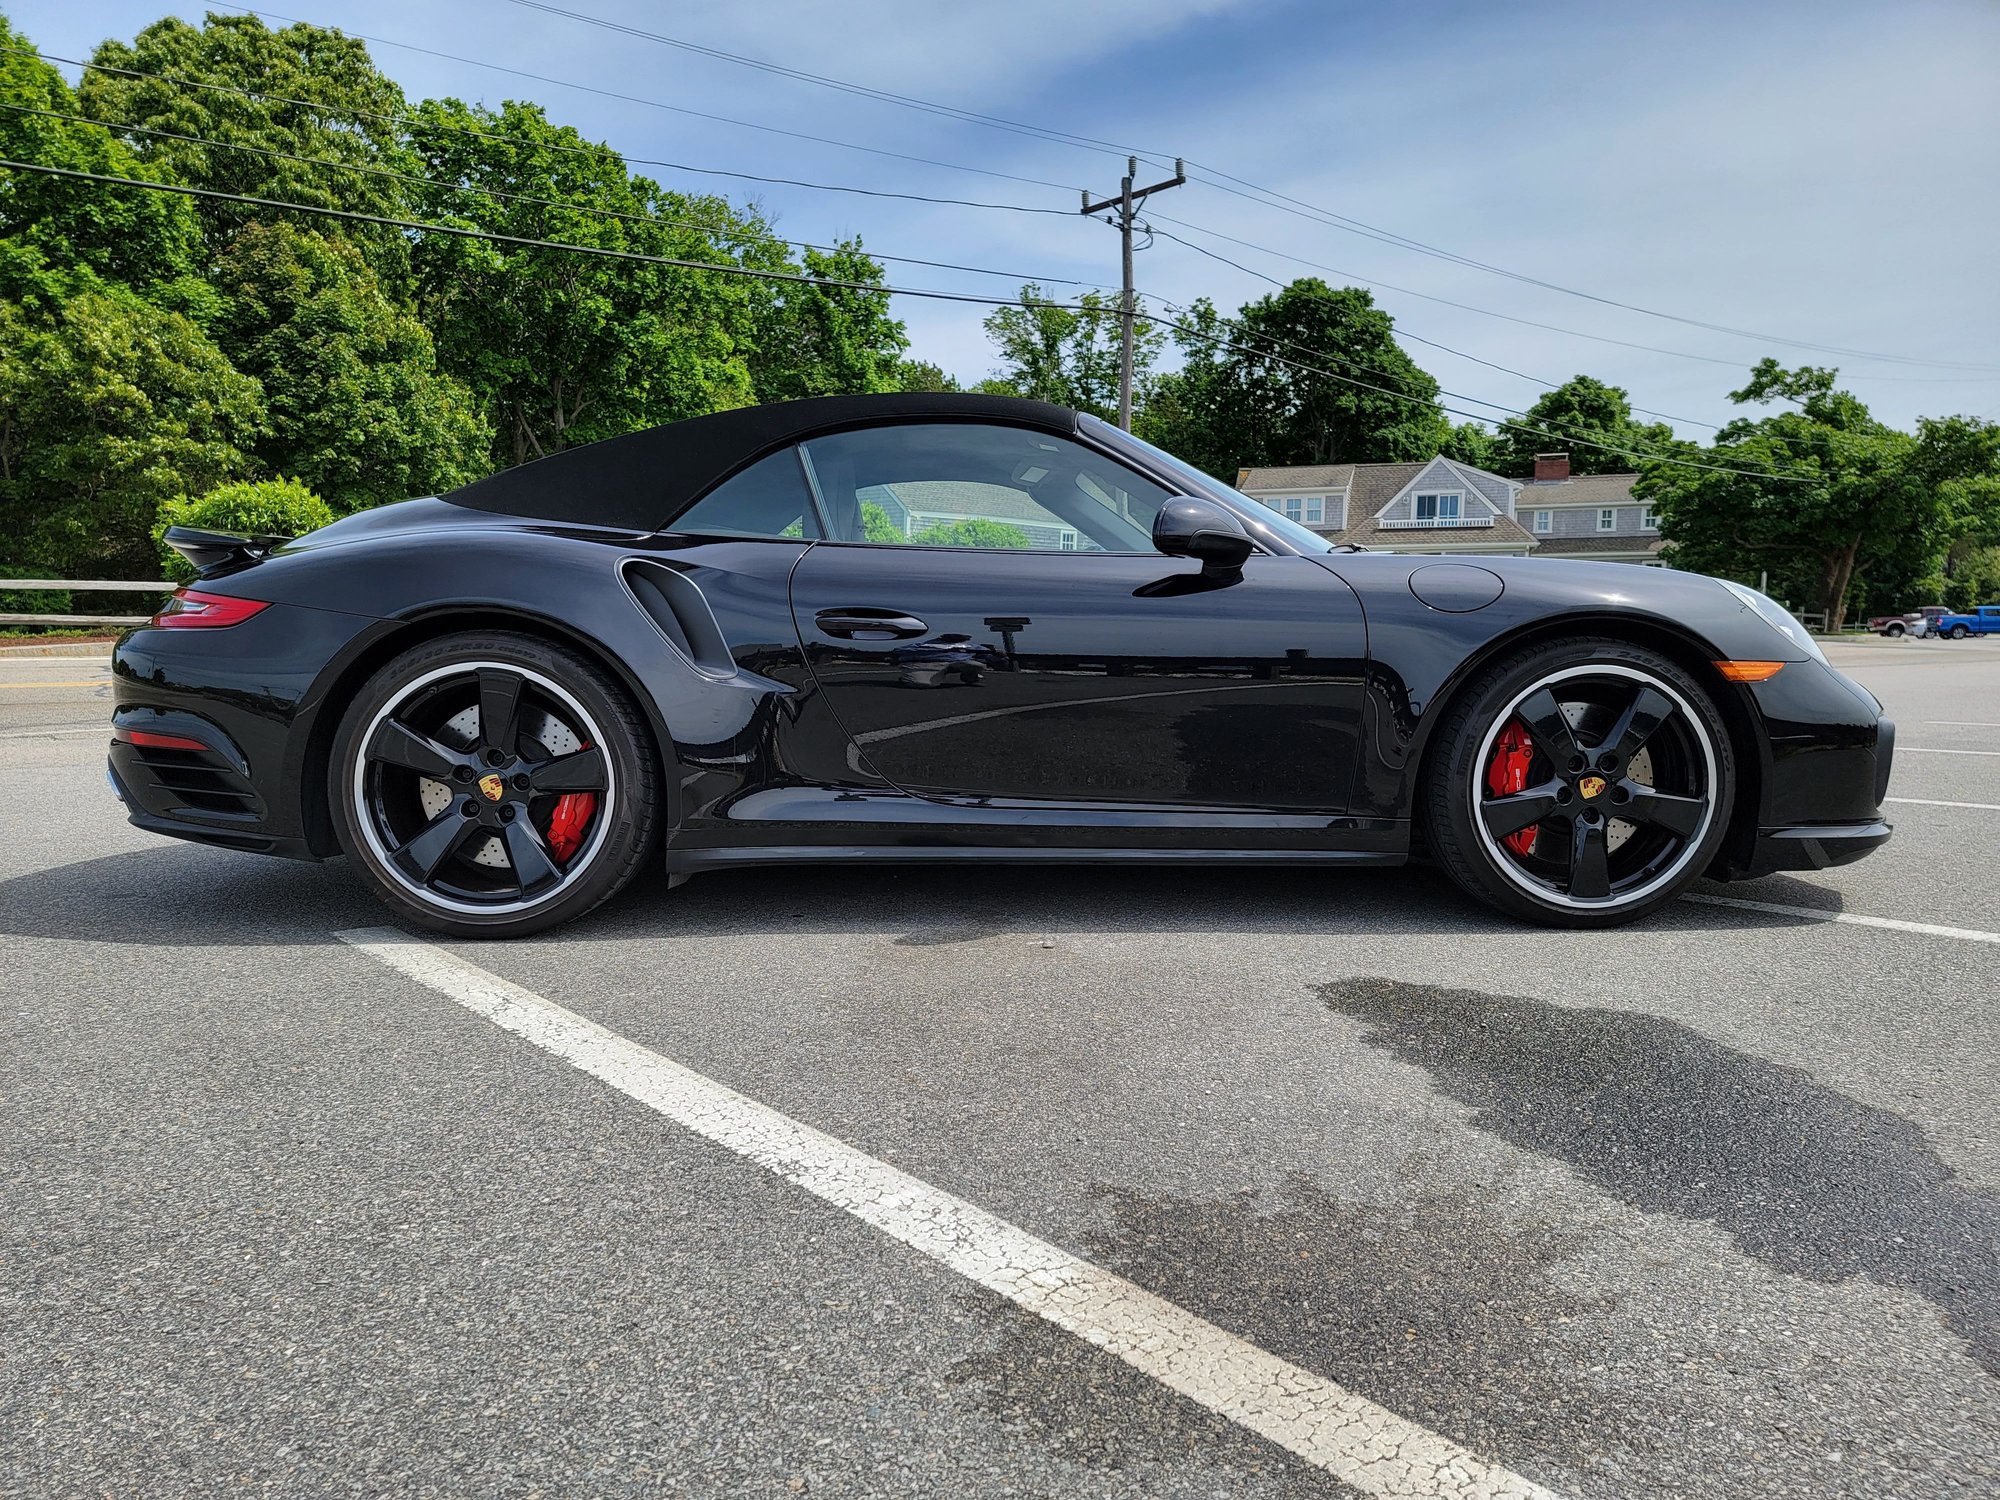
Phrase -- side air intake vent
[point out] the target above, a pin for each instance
(677, 607)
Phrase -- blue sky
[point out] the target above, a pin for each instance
(1823, 172)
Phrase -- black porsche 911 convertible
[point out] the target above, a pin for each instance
(963, 628)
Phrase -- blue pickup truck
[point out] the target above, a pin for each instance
(1985, 620)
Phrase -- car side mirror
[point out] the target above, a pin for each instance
(1188, 526)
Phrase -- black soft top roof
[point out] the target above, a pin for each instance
(640, 481)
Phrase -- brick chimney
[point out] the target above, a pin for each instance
(1550, 467)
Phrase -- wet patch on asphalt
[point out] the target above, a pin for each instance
(1805, 1179)
(1431, 1306)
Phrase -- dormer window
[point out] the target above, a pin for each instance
(1307, 510)
(1441, 510)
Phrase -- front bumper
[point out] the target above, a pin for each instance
(1820, 845)
(1815, 846)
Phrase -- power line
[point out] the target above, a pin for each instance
(1404, 333)
(1357, 279)
(730, 269)
(1216, 178)
(886, 96)
(724, 231)
(678, 109)
(420, 123)
(1327, 217)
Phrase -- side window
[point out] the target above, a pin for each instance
(961, 484)
(768, 499)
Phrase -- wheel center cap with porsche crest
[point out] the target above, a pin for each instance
(1590, 787)
(492, 788)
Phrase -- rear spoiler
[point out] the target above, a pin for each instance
(214, 552)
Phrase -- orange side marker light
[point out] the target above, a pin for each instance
(1749, 671)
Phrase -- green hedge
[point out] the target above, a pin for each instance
(266, 507)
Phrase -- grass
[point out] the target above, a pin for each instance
(34, 635)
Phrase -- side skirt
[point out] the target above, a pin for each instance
(684, 862)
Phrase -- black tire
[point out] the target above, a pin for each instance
(1894, 630)
(1959, 632)
(1606, 765)
(572, 818)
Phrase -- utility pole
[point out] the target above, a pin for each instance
(1128, 199)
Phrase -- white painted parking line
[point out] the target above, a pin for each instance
(1964, 723)
(1814, 914)
(102, 731)
(1350, 1437)
(1927, 750)
(1937, 802)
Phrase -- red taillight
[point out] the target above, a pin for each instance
(147, 740)
(190, 610)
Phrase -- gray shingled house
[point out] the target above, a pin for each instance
(1446, 506)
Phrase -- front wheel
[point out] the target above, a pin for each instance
(488, 784)
(1582, 783)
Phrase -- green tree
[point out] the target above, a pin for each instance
(971, 534)
(1068, 355)
(877, 525)
(346, 114)
(1828, 494)
(1584, 418)
(1470, 443)
(1959, 457)
(109, 408)
(922, 375)
(561, 348)
(813, 340)
(1242, 397)
(264, 507)
(358, 408)
(57, 234)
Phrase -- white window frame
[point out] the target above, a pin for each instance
(1439, 515)
(1066, 540)
(1647, 520)
(1545, 522)
(1607, 518)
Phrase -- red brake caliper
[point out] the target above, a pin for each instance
(1507, 773)
(571, 817)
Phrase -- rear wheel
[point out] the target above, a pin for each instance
(1959, 632)
(1582, 783)
(1894, 630)
(490, 784)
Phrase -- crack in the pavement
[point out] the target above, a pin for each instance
(1804, 1178)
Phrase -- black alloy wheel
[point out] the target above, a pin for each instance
(490, 784)
(1581, 784)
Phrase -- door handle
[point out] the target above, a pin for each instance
(859, 621)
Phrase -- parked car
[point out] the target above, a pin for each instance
(1984, 620)
(684, 647)
(1901, 625)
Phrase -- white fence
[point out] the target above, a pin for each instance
(79, 586)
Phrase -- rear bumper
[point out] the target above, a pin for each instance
(204, 795)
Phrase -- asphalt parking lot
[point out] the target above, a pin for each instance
(1706, 1207)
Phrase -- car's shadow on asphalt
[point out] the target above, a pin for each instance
(187, 896)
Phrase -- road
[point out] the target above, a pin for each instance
(1706, 1207)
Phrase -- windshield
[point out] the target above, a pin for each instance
(1294, 535)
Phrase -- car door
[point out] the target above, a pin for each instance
(988, 620)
